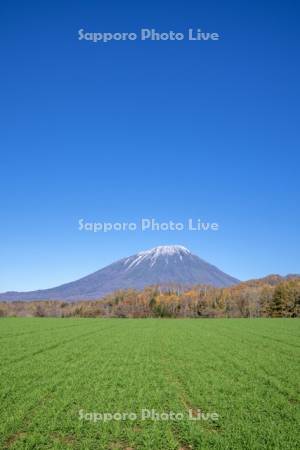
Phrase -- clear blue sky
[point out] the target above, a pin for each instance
(148, 129)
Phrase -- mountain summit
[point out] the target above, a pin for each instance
(161, 265)
(153, 256)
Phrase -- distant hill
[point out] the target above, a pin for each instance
(270, 280)
(159, 266)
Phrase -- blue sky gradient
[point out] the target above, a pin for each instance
(171, 130)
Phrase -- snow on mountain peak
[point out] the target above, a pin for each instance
(166, 250)
(157, 252)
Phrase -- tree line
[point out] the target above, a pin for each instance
(272, 296)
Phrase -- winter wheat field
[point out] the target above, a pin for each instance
(149, 384)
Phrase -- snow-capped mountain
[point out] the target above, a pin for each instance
(153, 255)
(159, 266)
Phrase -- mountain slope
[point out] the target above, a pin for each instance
(158, 266)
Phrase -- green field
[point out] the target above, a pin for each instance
(246, 371)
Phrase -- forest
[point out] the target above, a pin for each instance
(272, 296)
